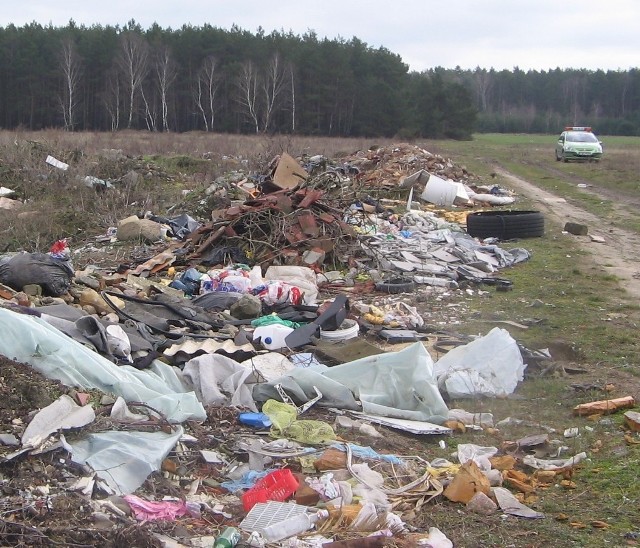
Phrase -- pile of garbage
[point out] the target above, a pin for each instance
(216, 381)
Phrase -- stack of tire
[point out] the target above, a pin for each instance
(505, 225)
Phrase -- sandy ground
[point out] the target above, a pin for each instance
(619, 255)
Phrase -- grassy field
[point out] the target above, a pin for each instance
(578, 311)
(531, 157)
(581, 312)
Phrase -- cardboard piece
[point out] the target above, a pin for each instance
(289, 173)
(466, 483)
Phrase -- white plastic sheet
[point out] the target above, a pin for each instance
(477, 453)
(32, 340)
(62, 414)
(489, 366)
(124, 459)
(213, 376)
(393, 384)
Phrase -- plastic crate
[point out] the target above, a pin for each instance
(277, 485)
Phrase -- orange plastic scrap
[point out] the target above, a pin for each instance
(603, 407)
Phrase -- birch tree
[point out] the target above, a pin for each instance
(134, 64)
(272, 86)
(206, 91)
(112, 99)
(71, 65)
(166, 73)
(248, 96)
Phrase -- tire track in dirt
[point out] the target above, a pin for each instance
(618, 256)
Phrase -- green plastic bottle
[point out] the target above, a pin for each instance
(228, 539)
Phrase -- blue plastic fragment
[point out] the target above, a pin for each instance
(257, 420)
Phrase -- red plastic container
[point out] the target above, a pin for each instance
(278, 485)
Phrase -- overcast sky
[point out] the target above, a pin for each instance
(500, 34)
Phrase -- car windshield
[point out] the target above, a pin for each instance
(581, 137)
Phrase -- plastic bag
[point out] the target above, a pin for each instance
(300, 277)
(285, 424)
(489, 366)
(53, 274)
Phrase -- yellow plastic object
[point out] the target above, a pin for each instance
(285, 424)
(373, 319)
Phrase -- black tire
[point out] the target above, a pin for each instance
(557, 157)
(505, 225)
(395, 286)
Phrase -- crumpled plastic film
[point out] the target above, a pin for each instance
(281, 414)
(285, 424)
(57, 356)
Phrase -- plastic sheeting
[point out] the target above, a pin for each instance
(62, 414)
(489, 366)
(123, 460)
(213, 376)
(394, 384)
(32, 340)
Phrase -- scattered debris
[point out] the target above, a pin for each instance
(191, 382)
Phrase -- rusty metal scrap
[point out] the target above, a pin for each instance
(279, 226)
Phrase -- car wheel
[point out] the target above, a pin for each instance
(505, 225)
(557, 157)
(565, 159)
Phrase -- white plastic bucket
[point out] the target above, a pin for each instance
(348, 329)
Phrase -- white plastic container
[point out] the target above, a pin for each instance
(348, 329)
(272, 336)
(293, 526)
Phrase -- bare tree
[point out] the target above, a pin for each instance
(571, 89)
(272, 86)
(166, 72)
(207, 90)
(293, 99)
(482, 81)
(134, 63)
(150, 113)
(248, 97)
(112, 99)
(71, 65)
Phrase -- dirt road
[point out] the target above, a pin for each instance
(619, 255)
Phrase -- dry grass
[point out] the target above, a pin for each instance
(149, 170)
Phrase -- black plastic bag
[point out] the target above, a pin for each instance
(53, 275)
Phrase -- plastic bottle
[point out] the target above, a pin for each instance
(228, 539)
(293, 526)
(272, 336)
(257, 420)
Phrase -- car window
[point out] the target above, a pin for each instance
(581, 137)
